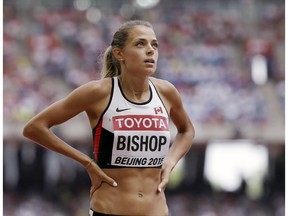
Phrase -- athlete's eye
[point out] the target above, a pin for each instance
(140, 44)
(155, 45)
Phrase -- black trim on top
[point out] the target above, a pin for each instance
(159, 97)
(146, 102)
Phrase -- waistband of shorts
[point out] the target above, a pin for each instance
(94, 213)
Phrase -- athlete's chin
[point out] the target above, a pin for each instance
(150, 71)
(145, 72)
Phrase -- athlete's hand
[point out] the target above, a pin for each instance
(97, 177)
(165, 174)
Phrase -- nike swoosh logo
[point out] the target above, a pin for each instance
(121, 110)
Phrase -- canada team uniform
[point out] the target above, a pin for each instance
(131, 134)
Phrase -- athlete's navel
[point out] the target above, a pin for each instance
(140, 194)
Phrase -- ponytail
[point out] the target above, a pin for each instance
(111, 66)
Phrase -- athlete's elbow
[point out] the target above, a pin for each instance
(31, 129)
(192, 132)
(28, 130)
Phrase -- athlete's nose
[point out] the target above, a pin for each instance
(150, 50)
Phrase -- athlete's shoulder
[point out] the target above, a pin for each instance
(97, 86)
(94, 90)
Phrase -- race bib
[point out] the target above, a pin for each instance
(140, 140)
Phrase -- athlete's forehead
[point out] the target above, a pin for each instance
(141, 32)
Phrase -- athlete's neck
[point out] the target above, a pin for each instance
(136, 88)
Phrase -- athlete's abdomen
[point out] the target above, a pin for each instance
(136, 193)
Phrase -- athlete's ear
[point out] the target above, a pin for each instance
(118, 54)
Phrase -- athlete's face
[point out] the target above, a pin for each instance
(140, 53)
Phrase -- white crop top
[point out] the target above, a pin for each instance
(131, 134)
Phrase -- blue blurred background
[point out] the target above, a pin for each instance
(225, 57)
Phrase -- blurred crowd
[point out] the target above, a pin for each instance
(203, 52)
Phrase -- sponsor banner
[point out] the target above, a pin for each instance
(140, 122)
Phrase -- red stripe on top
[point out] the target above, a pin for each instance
(97, 138)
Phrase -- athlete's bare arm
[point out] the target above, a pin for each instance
(185, 129)
(91, 98)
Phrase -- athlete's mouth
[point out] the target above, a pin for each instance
(149, 61)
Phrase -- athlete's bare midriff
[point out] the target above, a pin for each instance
(136, 193)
